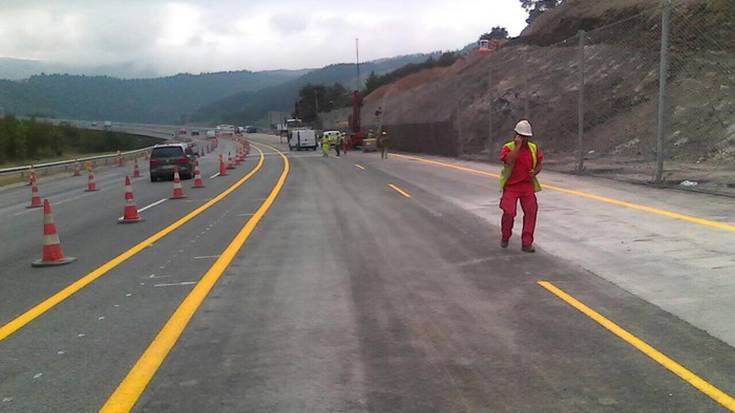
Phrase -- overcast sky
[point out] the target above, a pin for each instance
(196, 35)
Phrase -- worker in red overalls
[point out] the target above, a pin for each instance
(522, 161)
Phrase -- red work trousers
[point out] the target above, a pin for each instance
(508, 203)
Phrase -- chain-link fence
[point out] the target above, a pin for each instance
(595, 99)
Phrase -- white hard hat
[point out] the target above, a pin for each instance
(524, 128)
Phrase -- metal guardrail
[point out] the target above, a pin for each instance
(39, 166)
(49, 168)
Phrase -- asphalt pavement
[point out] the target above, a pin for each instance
(359, 290)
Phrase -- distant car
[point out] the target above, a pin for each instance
(94, 123)
(182, 131)
(211, 134)
(302, 139)
(194, 132)
(165, 157)
(225, 130)
(251, 129)
(108, 124)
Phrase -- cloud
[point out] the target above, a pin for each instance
(197, 35)
(289, 23)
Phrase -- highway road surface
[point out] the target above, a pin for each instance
(299, 283)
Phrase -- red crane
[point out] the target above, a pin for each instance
(356, 135)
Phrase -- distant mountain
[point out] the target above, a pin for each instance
(236, 97)
(247, 107)
(165, 99)
(18, 69)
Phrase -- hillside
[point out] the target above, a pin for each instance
(18, 69)
(162, 100)
(246, 107)
(446, 111)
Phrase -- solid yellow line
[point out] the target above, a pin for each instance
(360, 166)
(447, 165)
(676, 368)
(639, 207)
(47, 304)
(123, 399)
(400, 191)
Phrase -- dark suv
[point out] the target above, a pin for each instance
(164, 158)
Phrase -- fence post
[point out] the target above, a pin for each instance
(580, 105)
(460, 143)
(524, 68)
(490, 141)
(662, 78)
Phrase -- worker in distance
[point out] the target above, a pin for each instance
(522, 160)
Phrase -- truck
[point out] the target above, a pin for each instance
(108, 125)
(302, 139)
(285, 129)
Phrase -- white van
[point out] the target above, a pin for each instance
(333, 136)
(302, 139)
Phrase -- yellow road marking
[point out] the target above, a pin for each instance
(447, 165)
(676, 368)
(47, 304)
(359, 166)
(123, 399)
(670, 214)
(400, 191)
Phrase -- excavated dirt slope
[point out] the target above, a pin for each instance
(539, 73)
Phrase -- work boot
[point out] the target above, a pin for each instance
(528, 248)
(504, 243)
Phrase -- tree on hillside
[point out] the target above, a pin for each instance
(497, 33)
(536, 8)
(313, 98)
(372, 82)
(337, 97)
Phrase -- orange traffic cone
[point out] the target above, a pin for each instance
(198, 183)
(130, 214)
(77, 169)
(178, 190)
(91, 185)
(35, 198)
(222, 169)
(32, 176)
(136, 171)
(230, 165)
(238, 157)
(120, 161)
(52, 252)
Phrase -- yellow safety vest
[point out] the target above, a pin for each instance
(508, 169)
